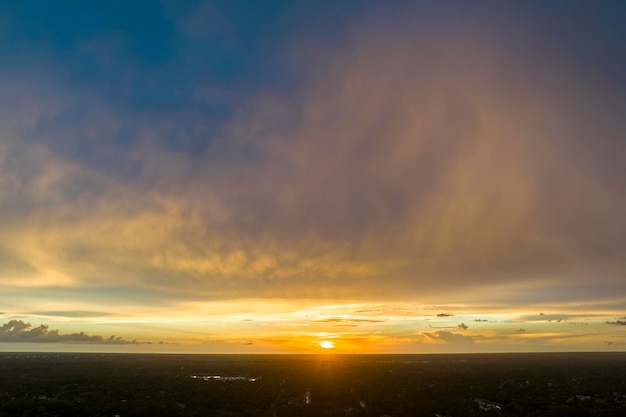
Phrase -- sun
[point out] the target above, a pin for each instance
(327, 344)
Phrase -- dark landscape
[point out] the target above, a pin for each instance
(535, 384)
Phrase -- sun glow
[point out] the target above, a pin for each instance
(327, 344)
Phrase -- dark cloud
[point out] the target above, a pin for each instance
(463, 326)
(21, 332)
(617, 322)
(444, 315)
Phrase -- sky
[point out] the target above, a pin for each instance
(307, 177)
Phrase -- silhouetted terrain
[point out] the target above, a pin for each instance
(567, 384)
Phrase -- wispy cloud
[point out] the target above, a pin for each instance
(71, 313)
(448, 337)
(346, 320)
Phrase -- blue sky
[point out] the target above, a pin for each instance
(266, 176)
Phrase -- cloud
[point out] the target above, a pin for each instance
(461, 326)
(13, 265)
(444, 315)
(556, 317)
(19, 331)
(346, 320)
(401, 156)
(448, 337)
(617, 322)
(71, 313)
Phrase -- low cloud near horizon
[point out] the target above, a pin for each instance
(18, 331)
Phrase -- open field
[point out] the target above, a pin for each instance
(575, 384)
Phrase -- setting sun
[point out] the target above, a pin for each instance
(327, 344)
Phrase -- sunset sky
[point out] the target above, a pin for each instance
(312, 176)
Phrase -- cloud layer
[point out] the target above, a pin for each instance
(419, 166)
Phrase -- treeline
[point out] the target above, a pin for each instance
(321, 386)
